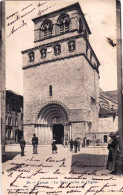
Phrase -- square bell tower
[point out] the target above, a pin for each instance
(61, 78)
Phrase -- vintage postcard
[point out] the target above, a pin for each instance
(61, 97)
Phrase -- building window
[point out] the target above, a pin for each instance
(85, 32)
(21, 116)
(87, 49)
(64, 22)
(50, 90)
(6, 120)
(89, 125)
(90, 55)
(31, 56)
(71, 46)
(112, 107)
(57, 50)
(80, 25)
(15, 122)
(105, 138)
(43, 53)
(95, 64)
(9, 121)
(47, 28)
(93, 101)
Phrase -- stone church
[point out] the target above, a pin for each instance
(61, 78)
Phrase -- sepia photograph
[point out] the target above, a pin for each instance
(61, 97)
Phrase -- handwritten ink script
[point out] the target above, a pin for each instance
(58, 176)
(19, 19)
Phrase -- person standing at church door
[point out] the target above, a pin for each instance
(34, 143)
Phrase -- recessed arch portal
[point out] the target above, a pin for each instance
(50, 122)
(50, 111)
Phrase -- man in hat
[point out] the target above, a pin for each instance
(34, 143)
(71, 145)
(22, 145)
(75, 145)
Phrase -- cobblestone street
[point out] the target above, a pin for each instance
(62, 173)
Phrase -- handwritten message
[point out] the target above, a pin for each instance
(19, 20)
(53, 176)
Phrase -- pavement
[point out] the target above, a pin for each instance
(64, 172)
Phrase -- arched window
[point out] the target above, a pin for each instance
(31, 56)
(57, 50)
(47, 27)
(43, 52)
(71, 46)
(64, 22)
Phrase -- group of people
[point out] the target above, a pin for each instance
(74, 144)
(113, 147)
(34, 143)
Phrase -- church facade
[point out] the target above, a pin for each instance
(61, 78)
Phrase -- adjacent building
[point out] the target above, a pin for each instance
(14, 117)
(61, 78)
(108, 118)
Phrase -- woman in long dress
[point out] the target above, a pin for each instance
(113, 150)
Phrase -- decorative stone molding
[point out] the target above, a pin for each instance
(63, 58)
(55, 36)
(56, 103)
(51, 44)
(61, 41)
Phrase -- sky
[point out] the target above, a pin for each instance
(100, 16)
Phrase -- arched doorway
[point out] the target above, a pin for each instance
(58, 133)
(52, 123)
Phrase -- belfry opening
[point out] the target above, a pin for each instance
(51, 124)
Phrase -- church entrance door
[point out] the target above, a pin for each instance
(51, 123)
(58, 133)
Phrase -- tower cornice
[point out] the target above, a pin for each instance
(62, 58)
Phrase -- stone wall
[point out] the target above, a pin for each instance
(72, 85)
